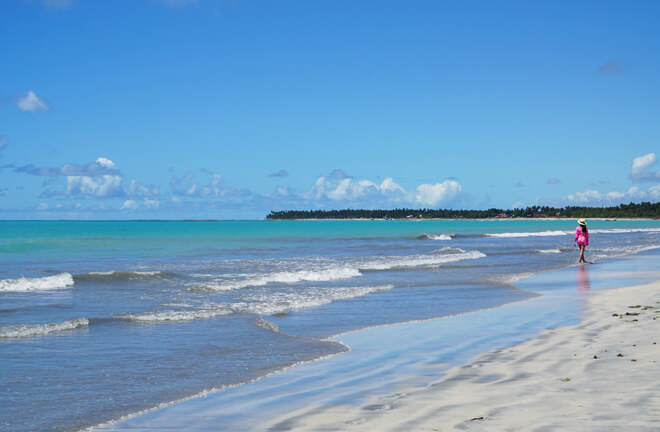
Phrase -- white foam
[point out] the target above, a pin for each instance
(128, 275)
(629, 250)
(624, 230)
(273, 303)
(435, 236)
(119, 272)
(559, 233)
(59, 281)
(544, 251)
(510, 279)
(337, 271)
(178, 315)
(330, 274)
(412, 261)
(528, 234)
(268, 303)
(28, 330)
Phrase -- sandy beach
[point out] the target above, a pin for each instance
(602, 374)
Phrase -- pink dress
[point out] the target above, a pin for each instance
(581, 238)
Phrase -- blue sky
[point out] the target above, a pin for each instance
(230, 109)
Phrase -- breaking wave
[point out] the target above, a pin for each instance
(412, 261)
(178, 315)
(59, 281)
(28, 330)
(624, 230)
(330, 274)
(528, 234)
(339, 271)
(545, 251)
(560, 232)
(123, 275)
(626, 250)
(259, 304)
(425, 236)
(274, 303)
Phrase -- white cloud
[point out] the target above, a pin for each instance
(215, 189)
(282, 191)
(432, 195)
(553, 180)
(3, 142)
(640, 165)
(99, 179)
(389, 185)
(136, 189)
(31, 103)
(348, 189)
(594, 197)
(129, 205)
(104, 162)
(654, 192)
(42, 207)
(388, 193)
(151, 204)
(99, 186)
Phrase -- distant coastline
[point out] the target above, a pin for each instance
(644, 210)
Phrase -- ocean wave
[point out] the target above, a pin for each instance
(560, 232)
(267, 303)
(28, 330)
(528, 234)
(425, 236)
(178, 315)
(337, 271)
(624, 250)
(58, 281)
(390, 263)
(546, 251)
(325, 275)
(624, 230)
(122, 275)
(274, 303)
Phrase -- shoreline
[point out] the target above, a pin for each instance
(601, 374)
(244, 407)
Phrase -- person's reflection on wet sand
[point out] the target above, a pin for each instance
(583, 279)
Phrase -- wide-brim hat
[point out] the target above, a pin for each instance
(582, 221)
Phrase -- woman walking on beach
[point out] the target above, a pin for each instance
(581, 238)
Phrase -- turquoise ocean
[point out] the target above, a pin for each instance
(100, 320)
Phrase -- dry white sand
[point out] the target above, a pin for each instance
(601, 375)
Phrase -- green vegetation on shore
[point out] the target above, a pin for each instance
(642, 210)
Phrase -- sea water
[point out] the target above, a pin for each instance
(99, 320)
